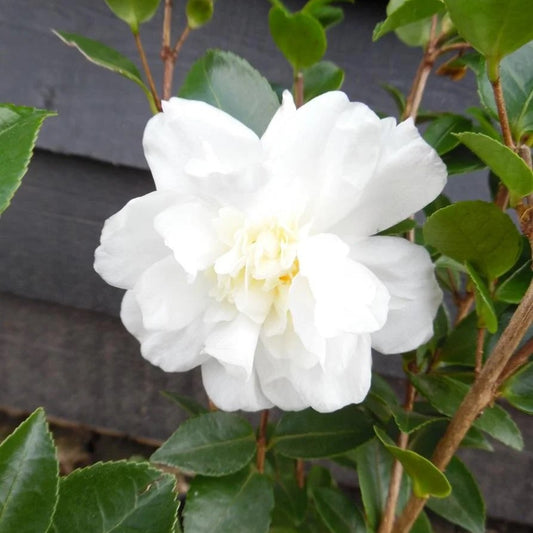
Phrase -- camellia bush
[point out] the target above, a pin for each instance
(278, 248)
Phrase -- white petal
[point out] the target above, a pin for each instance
(187, 229)
(129, 243)
(234, 343)
(349, 297)
(408, 175)
(344, 380)
(167, 300)
(231, 391)
(407, 272)
(173, 351)
(195, 148)
(281, 120)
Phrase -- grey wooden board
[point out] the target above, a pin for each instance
(83, 366)
(102, 115)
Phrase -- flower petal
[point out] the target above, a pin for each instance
(345, 378)
(408, 175)
(129, 243)
(231, 391)
(408, 273)
(167, 300)
(172, 351)
(234, 343)
(187, 229)
(195, 148)
(349, 297)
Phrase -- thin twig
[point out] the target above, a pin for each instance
(502, 113)
(481, 394)
(480, 341)
(261, 441)
(518, 360)
(451, 47)
(147, 70)
(179, 43)
(166, 52)
(464, 307)
(300, 473)
(299, 89)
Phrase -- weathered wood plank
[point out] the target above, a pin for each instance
(102, 115)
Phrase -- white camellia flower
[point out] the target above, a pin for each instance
(255, 259)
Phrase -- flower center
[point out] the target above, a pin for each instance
(260, 263)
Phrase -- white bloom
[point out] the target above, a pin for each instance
(254, 258)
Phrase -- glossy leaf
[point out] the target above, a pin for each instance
(230, 83)
(484, 307)
(422, 524)
(374, 466)
(427, 478)
(494, 27)
(189, 405)
(290, 499)
(212, 444)
(309, 435)
(408, 12)
(133, 12)
(199, 13)
(505, 163)
(105, 57)
(513, 288)
(29, 477)
(337, 511)
(464, 506)
(320, 78)
(19, 127)
(461, 160)
(518, 389)
(459, 348)
(112, 497)
(410, 421)
(517, 84)
(327, 15)
(445, 395)
(300, 37)
(439, 133)
(477, 232)
(229, 504)
(397, 96)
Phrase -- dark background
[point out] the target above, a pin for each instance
(61, 345)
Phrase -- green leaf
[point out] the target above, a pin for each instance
(477, 232)
(113, 497)
(460, 346)
(517, 84)
(199, 13)
(513, 288)
(309, 435)
(374, 466)
(464, 506)
(445, 395)
(397, 96)
(300, 37)
(229, 504)
(507, 165)
(28, 477)
(213, 444)
(106, 57)
(192, 407)
(494, 27)
(320, 78)
(230, 83)
(422, 524)
(337, 511)
(133, 12)
(327, 15)
(518, 389)
(291, 500)
(461, 160)
(410, 421)
(409, 11)
(484, 307)
(19, 127)
(428, 480)
(439, 133)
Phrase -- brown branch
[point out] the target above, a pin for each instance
(502, 113)
(261, 441)
(452, 47)
(463, 307)
(480, 340)
(147, 70)
(519, 359)
(166, 52)
(481, 394)
(387, 522)
(181, 40)
(300, 473)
